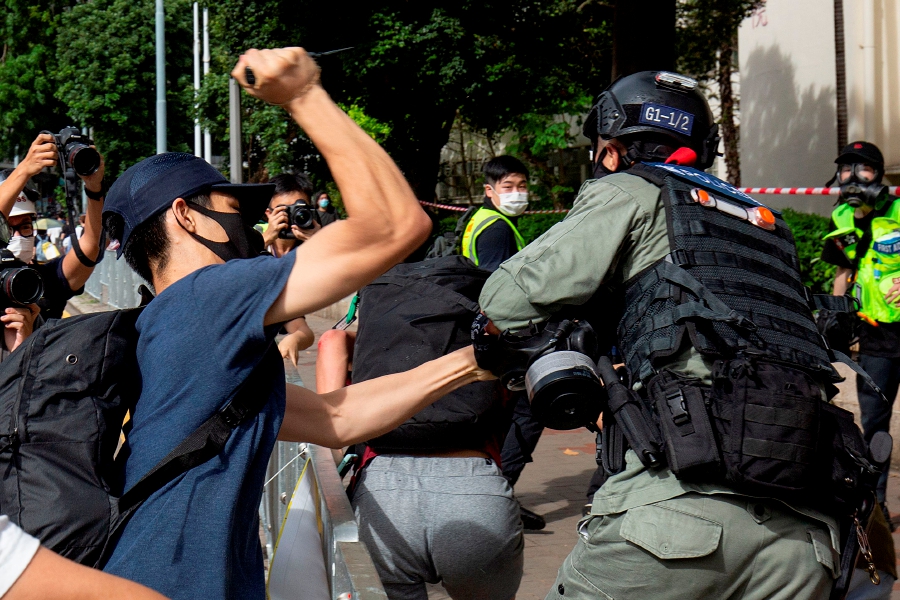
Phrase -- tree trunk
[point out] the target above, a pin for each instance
(643, 36)
(418, 155)
(840, 71)
(728, 128)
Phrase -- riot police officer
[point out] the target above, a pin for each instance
(725, 369)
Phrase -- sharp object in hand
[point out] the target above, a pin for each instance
(251, 78)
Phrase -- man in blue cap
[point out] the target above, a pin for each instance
(208, 333)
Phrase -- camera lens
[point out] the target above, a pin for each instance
(303, 216)
(84, 159)
(20, 286)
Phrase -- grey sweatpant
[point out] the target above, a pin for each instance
(451, 520)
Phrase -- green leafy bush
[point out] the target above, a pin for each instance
(533, 226)
(808, 232)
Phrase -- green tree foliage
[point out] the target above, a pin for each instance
(106, 75)
(708, 51)
(414, 66)
(27, 102)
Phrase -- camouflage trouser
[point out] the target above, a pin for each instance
(699, 546)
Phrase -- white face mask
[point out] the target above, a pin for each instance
(22, 248)
(512, 204)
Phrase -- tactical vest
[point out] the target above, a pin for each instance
(480, 221)
(730, 287)
(878, 263)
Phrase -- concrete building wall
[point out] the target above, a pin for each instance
(788, 98)
(872, 52)
(788, 102)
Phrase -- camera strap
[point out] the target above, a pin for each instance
(82, 257)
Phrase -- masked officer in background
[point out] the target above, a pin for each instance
(726, 372)
(864, 243)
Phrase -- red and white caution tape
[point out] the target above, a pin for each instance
(465, 208)
(777, 191)
(802, 191)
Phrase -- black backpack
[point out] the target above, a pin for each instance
(448, 243)
(64, 395)
(415, 313)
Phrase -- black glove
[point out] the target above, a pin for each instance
(509, 355)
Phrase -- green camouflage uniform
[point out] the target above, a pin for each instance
(650, 535)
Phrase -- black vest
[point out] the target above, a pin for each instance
(733, 287)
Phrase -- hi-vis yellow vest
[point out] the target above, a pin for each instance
(481, 220)
(879, 268)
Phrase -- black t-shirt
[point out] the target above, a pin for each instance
(327, 217)
(883, 340)
(56, 289)
(496, 243)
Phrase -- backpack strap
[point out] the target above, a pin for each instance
(204, 443)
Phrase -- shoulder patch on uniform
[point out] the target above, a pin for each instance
(705, 180)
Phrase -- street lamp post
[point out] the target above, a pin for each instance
(160, 78)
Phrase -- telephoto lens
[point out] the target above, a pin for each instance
(77, 151)
(20, 285)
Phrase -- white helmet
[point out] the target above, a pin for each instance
(23, 206)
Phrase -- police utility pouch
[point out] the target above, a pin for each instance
(690, 444)
(768, 418)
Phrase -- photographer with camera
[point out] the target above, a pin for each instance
(65, 276)
(281, 235)
(292, 220)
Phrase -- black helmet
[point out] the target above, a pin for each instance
(657, 102)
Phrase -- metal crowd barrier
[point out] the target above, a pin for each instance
(348, 565)
(114, 283)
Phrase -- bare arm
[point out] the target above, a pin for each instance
(74, 271)
(385, 222)
(842, 281)
(365, 410)
(42, 153)
(299, 338)
(51, 577)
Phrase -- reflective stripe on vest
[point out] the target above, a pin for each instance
(879, 267)
(481, 220)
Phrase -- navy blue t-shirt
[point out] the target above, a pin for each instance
(200, 339)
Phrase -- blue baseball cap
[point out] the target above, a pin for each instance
(149, 187)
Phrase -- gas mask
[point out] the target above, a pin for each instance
(860, 184)
(555, 366)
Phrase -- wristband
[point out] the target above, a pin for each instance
(97, 195)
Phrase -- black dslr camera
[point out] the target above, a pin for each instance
(20, 285)
(301, 214)
(76, 152)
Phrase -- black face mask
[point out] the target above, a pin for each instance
(238, 244)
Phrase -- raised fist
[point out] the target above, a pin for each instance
(279, 76)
